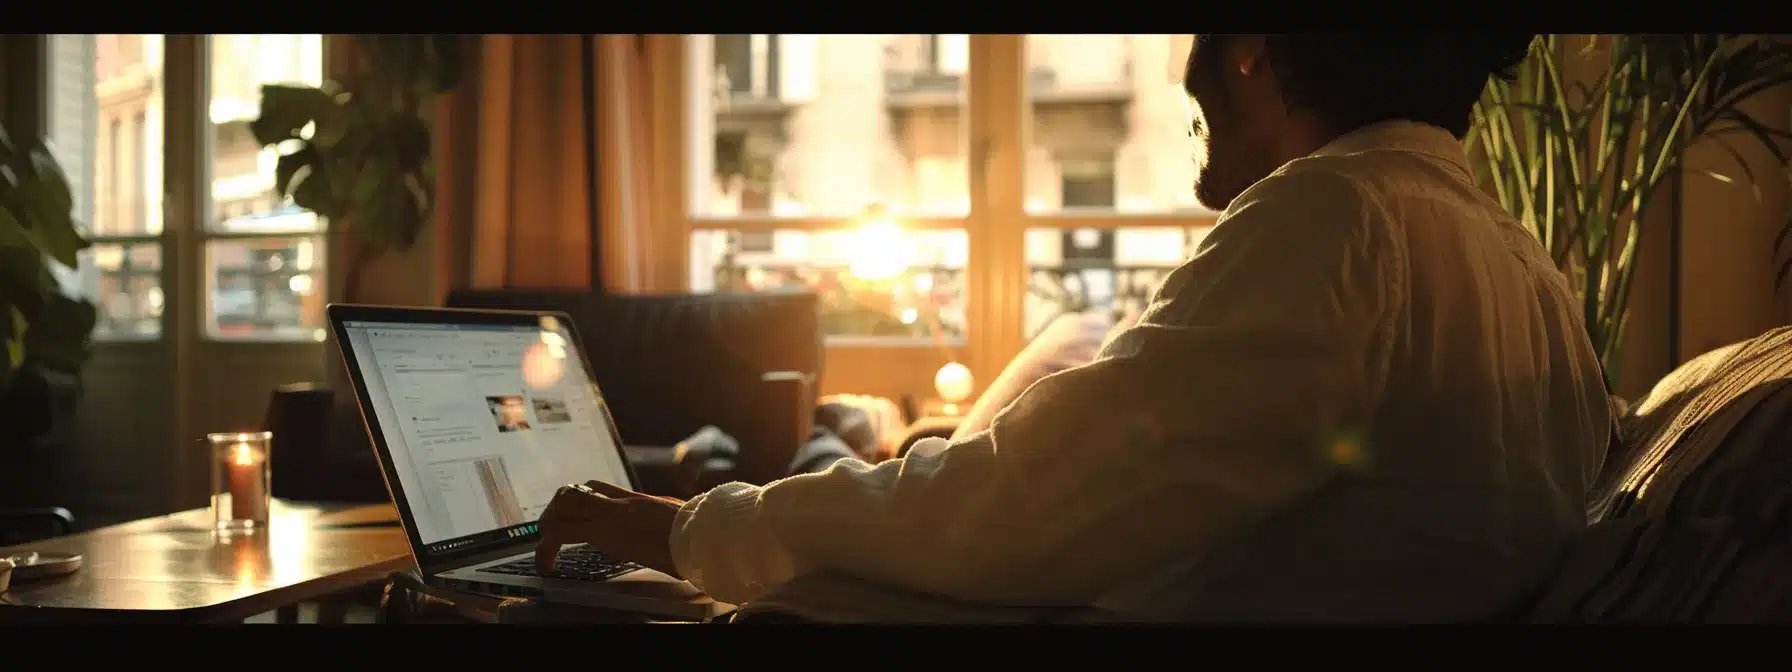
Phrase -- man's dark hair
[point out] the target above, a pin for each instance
(1354, 80)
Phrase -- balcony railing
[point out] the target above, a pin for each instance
(844, 310)
(1052, 283)
(898, 82)
(1132, 288)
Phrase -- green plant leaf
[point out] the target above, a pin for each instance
(414, 206)
(15, 326)
(305, 177)
(54, 230)
(446, 51)
(410, 140)
(1748, 174)
(7, 150)
(59, 339)
(42, 327)
(1577, 162)
(22, 278)
(366, 164)
(290, 165)
(28, 220)
(49, 176)
(286, 110)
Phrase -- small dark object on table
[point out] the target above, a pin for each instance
(33, 566)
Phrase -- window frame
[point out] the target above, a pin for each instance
(127, 143)
(998, 121)
(206, 233)
(188, 152)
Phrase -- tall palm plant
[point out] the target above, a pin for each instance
(1580, 161)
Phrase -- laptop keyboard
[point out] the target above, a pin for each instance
(580, 563)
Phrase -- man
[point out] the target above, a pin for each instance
(1368, 397)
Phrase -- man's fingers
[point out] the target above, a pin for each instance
(547, 549)
(555, 529)
(608, 490)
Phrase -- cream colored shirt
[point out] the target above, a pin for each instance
(1368, 397)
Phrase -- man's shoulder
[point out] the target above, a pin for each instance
(1320, 184)
(1314, 204)
(1306, 235)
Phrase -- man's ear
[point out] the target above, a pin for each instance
(1249, 53)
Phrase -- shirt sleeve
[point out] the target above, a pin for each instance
(1240, 390)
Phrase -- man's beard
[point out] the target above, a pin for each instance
(1223, 168)
(1209, 178)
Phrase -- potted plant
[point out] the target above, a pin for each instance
(356, 150)
(47, 329)
(1580, 163)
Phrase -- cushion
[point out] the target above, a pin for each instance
(1658, 570)
(1067, 342)
(1693, 514)
(1708, 440)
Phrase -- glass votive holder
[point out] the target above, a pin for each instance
(241, 479)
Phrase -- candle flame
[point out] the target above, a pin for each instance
(242, 455)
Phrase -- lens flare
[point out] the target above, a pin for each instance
(543, 364)
(880, 250)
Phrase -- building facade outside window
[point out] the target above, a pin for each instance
(809, 131)
(264, 257)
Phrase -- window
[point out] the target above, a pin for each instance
(947, 54)
(263, 258)
(112, 83)
(1086, 183)
(747, 66)
(1076, 197)
(136, 195)
(850, 126)
(109, 179)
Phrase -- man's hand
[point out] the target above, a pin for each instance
(623, 524)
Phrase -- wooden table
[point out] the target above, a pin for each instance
(176, 568)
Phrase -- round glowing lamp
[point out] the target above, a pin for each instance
(953, 383)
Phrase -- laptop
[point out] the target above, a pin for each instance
(478, 417)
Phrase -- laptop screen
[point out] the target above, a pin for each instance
(484, 422)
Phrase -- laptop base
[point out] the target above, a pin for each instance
(642, 591)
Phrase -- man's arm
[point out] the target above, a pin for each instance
(1231, 398)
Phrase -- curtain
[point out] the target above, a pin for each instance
(626, 115)
(516, 166)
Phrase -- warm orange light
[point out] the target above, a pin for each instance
(242, 455)
(953, 382)
(880, 248)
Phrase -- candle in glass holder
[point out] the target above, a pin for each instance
(248, 495)
(240, 497)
